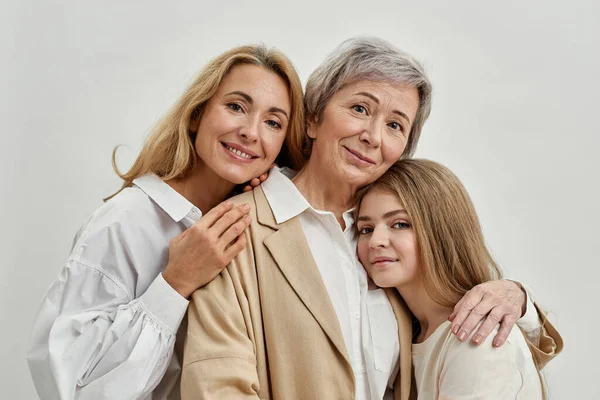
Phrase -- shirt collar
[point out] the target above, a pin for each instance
(285, 199)
(167, 198)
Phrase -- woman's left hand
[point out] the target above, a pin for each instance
(502, 301)
(254, 182)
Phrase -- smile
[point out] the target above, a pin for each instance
(238, 152)
(359, 158)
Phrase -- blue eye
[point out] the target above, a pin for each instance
(235, 107)
(401, 225)
(365, 231)
(359, 109)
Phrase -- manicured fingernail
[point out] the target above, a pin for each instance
(455, 329)
(477, 339)
(248, 218)
(462, 336)
(246, 207)
(228, 203)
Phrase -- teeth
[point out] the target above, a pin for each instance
(239, 153)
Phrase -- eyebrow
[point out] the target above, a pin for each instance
(250, 100)
(376, 100)
(385, 216)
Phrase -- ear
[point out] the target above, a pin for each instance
(311, 127)
(195, 119)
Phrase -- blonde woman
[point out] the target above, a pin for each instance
(106, 328)
(419, 233)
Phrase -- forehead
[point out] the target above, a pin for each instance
(378, 202)
(392, 95)
(258, 82)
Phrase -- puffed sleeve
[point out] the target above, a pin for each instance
(92, 340)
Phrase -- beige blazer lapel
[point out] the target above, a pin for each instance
(293, 257)
(402, 386)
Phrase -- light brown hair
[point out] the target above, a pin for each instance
(453, 254)
(169, 150)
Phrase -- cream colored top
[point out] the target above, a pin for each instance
(446, 368)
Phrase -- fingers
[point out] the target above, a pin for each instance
(505, 328)
(247, 188)
(235, 230)
(228, 219)
(477, 315)
(235, 248)
(463, 308)
(263, 177)
(254, 182)
(213, 215)
(490, 323)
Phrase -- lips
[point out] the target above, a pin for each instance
(239, 150)
(360, 156)
(382, 261)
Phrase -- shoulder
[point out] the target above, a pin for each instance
(125, 225)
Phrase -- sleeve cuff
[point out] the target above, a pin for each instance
(530, 321)
(164, 304)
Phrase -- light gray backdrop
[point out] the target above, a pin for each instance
(515, 115)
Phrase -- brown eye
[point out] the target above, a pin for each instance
(396, 126)
(274, 124)
(235, 107)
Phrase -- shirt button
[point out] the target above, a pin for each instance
(357, 316)
(363, 368)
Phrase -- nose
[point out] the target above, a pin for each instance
(379, 238)
(372, 134)
(249, 131)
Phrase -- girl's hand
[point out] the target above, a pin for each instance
(200, 253)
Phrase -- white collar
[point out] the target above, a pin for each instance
(285, 199)
(167, 198)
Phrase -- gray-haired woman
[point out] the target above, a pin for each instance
(294, 315)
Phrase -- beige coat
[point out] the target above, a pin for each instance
(266, 328)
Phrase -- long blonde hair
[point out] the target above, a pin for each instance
(453, 254)
(169, 149)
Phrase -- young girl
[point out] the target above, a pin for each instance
(418, 232)
(106, 328)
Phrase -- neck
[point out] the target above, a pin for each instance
(429, 313)
(203, 188)
(324, 192)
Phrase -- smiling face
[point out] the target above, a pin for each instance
(243, 126)
(363, 130)
(387, 242)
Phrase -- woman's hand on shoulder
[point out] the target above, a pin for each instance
(494, 302)
(200, 253)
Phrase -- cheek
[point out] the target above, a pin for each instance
(392, 150)
(272, 143)
(363, 251)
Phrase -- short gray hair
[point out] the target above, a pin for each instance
(367, 58)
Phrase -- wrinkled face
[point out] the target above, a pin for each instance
(243, 125)
(387, 244)
(363, 130)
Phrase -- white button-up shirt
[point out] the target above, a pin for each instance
(366, 317)
(106, 328)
